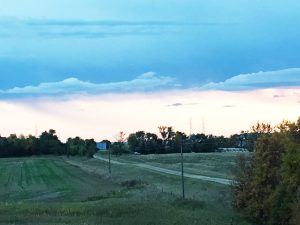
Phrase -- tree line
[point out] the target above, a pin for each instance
(46, 143)
(168, 141)
(171, 141)
(267, 187)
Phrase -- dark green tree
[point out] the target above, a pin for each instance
(90, 148)
(267, 185)
(76, 146)
(50, 144)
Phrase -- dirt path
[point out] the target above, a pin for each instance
(168, 171)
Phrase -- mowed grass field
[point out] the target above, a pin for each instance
(45, 179)
(58, 190)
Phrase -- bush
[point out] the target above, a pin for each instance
(132, 183)
(189, 203)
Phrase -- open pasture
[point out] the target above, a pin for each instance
(57, 190)
(219, 165)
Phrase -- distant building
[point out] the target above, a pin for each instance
(103, 145)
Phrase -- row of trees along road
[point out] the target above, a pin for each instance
(171, 142)
(46, 143)
(267, 187)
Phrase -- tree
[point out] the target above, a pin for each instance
(119, 147)
(163, 132)
(267, 187)
(206, 143)
(91, 148)
(152, 144)
(167, 134)
(121, 137)
(50, 144)
(76, 146)
(31, 145)
(178, 142)
(136, 142)
(144, 143)
(47, 143)
(285, 201)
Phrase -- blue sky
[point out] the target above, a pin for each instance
(107, 66)
(195, 42)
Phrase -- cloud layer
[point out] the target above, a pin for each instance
(145, 82)
(152, 82)
(29, 28)
(280, 78)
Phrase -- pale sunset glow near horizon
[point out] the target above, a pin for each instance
(94, 68)
(103, 116)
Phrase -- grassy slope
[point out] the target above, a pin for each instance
(50, 191)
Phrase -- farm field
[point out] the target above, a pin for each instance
(60, 190)
(219, 165)
(43, 178)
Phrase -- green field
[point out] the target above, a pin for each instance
(44, 179)
(58, 190)
(218, 165)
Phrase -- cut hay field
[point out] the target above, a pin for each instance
(43, 179)
(58, 190)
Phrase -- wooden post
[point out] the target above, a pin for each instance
(182, 173)
(109, 165)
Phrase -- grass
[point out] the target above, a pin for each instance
(48, 190)
(44, 178)
(218, 165)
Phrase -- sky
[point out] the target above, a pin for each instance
(93, 68)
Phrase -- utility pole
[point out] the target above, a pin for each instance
(109, 164)
(182, 174)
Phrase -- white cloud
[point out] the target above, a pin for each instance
(152, 82)
(145, 82)
(280, 78)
